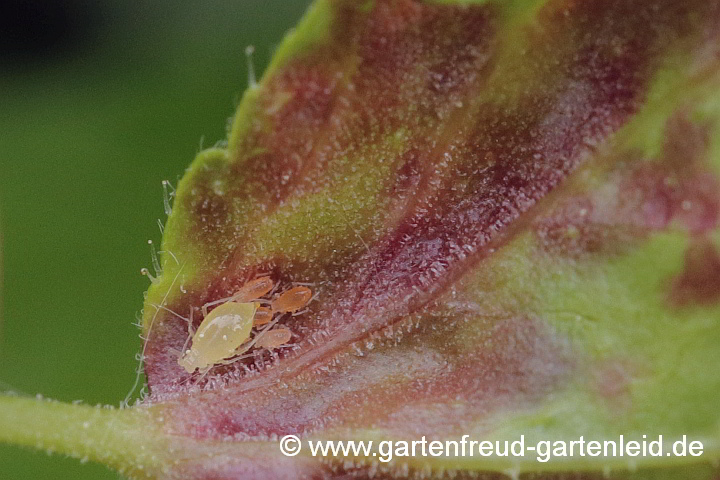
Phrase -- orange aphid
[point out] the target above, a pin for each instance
(292, 300)
(263, 315)
(274, 338)
(252, 290)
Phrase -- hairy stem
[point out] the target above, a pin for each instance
(126, 440)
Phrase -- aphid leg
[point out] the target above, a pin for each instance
(204, 372)
(249, 345)
(258, 353)
(191, 330)
(243, 357)
(228, 361)
(300, 312)
(274, 289)
(176, 352)
(187, 379)
(313, 298)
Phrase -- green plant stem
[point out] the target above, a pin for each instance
(127, 440)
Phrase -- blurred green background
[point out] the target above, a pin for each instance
(100, 102)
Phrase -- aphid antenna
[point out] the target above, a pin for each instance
(161, 227)
(163, 307)
(226, 300)
(139, 370)
(213, 303)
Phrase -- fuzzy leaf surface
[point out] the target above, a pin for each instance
(508, 212)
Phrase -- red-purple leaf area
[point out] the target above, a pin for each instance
(451, 180)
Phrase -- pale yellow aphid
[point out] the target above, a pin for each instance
(219, 336)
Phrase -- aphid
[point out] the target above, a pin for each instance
(263, 315)
(252, 290)
(274, 338)
(225, 333)
(219, 336)
(292, 300)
